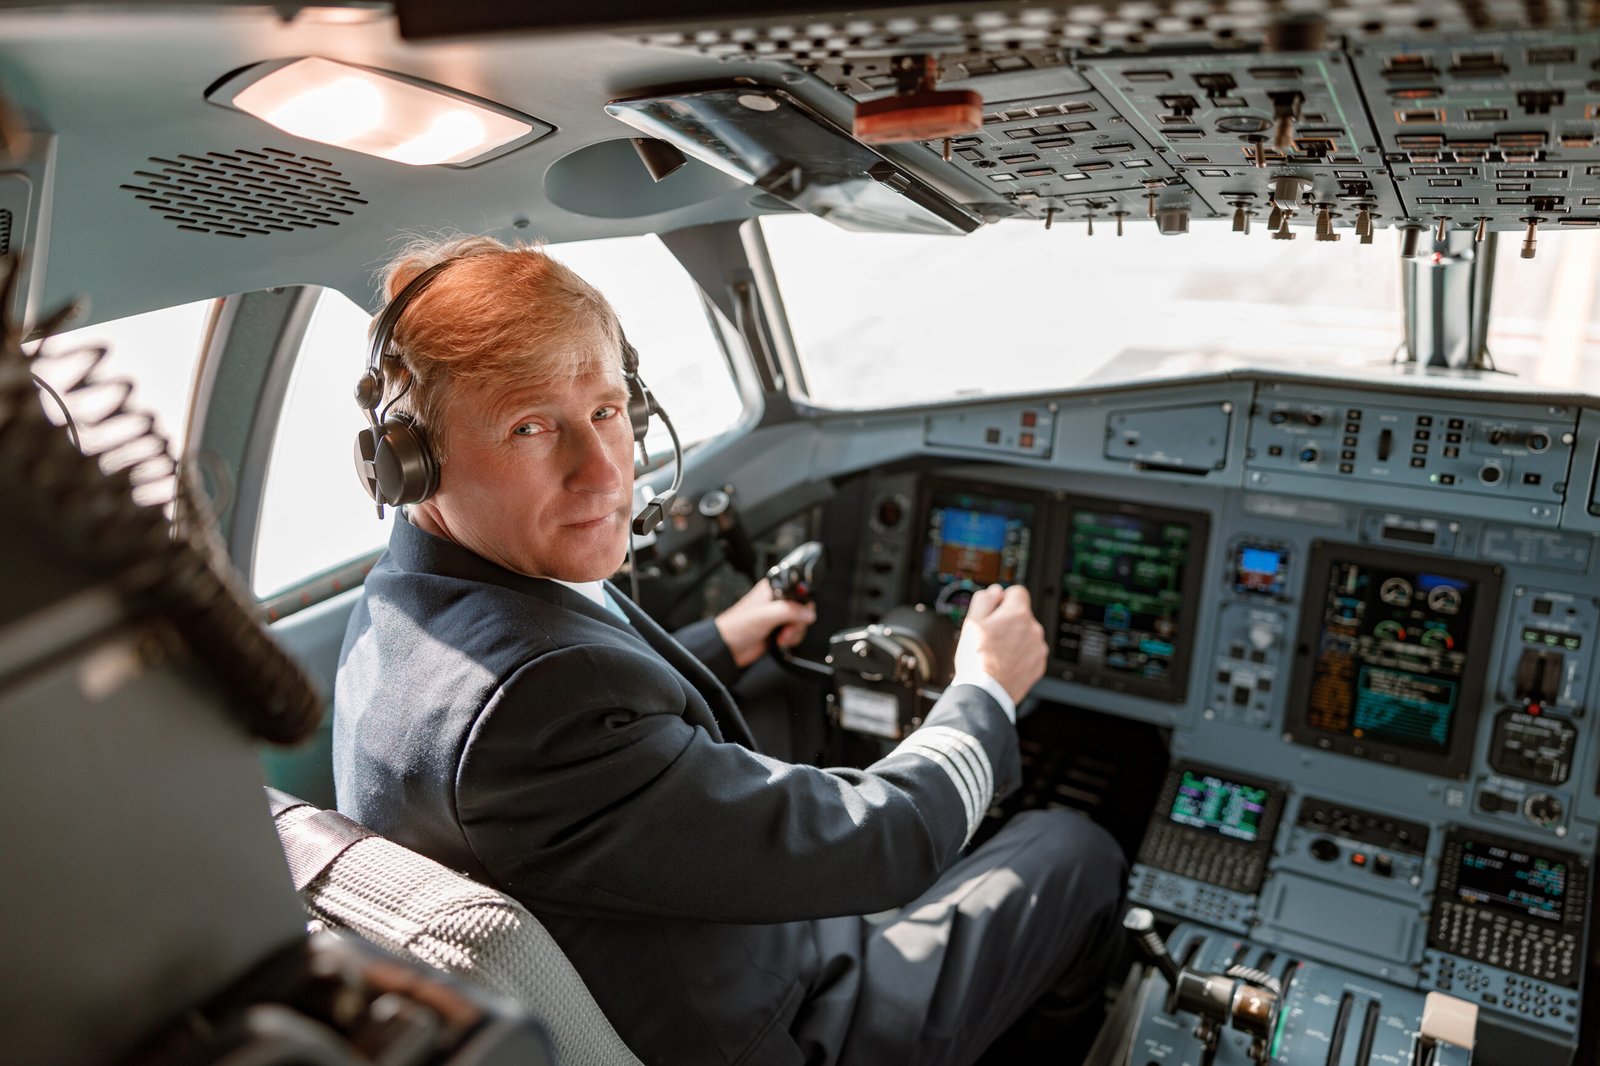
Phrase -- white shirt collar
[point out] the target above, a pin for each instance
(592, 590)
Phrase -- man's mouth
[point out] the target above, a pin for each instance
(592, 523)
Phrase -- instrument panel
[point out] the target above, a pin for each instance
(1367, 628)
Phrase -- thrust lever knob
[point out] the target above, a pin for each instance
(1141, 924)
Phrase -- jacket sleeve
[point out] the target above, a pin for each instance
(704, 642)
(583, 790)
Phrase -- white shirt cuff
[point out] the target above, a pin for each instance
(992, 687)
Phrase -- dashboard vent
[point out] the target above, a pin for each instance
(245, 192)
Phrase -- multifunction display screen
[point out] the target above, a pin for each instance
(1206, 801)
(1392, 654)
(970, 541)
(1512, 881)
(1127, 591)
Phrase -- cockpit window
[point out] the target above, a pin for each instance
(313, 512)
(314, 515)
(1545, 327)
(156, 353)
(881, 320)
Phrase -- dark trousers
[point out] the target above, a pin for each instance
(1034, 910)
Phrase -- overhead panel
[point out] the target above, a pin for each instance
(1233, 124)
(1500, 126)
(1071, 154)
(1431, 115)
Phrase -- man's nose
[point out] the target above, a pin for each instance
(592, 466)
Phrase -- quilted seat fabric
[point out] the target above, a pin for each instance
(416, 908)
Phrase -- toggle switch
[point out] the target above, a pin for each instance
(1241, 217)
(1285, 113)
(1325, 224)
(1530, 239)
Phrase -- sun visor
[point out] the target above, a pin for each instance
(773, 141)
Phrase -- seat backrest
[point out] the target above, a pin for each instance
(350, 878)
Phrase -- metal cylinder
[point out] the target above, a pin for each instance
(1172, 221)
(1410, 237)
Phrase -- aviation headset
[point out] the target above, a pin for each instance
(394, 461)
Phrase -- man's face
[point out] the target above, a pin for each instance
(540, 481)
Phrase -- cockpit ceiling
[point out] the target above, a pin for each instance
(1311, 121)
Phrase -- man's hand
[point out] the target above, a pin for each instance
(745, 626)
(1002, 638)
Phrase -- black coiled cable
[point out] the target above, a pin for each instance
(107, 507)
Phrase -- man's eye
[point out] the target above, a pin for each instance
(527, 429)
(608, 411)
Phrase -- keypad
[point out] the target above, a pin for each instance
(1207, 858)
(1507, 942)
(1537, 1001)
(1181, 895)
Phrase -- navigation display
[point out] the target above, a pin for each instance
(1394, 649)
(972, 540)
(1210, 802)
(1512, 881)
(1128, 596)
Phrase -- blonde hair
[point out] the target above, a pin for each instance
(496, 316)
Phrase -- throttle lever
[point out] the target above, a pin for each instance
(1141, 924)
(1216, 1000)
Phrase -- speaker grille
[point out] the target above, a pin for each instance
(5, 231)
(245, 192)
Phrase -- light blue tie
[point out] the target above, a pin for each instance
(614, 607)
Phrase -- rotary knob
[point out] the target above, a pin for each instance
(1544, 810)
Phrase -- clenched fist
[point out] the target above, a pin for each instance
(1002, 638)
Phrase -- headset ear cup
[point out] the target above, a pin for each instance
(404, 466)
(641, 405)
(366, 453)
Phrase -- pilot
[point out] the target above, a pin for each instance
(501, 708)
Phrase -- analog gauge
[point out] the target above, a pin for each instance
(1390, 630)
(1444, 599)
(889, 512)
(1396, 592)
(1438, 637)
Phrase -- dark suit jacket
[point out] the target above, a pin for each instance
(599, 772)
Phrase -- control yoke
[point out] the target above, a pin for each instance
(794, 577)
(1246, 1000)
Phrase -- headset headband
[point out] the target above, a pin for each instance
(369, 390)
